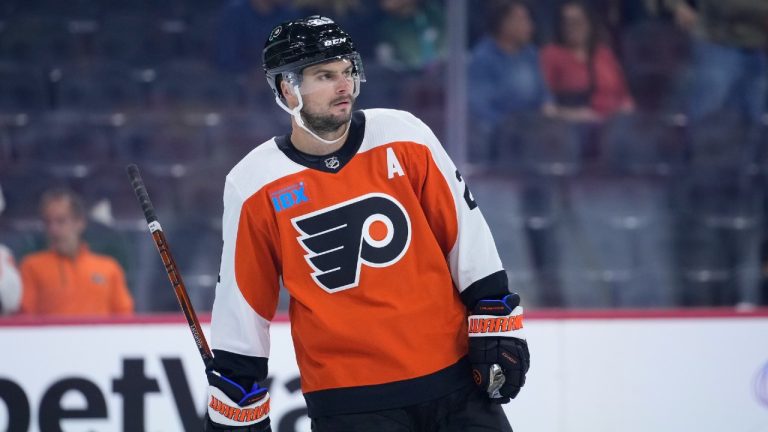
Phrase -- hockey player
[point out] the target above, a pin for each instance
(384, 252)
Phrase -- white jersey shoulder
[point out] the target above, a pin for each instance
(10, 283)
(261, 166)
(267, 163)
(4, 252)
(384, 126)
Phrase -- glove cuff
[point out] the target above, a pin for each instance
(510, 325)
(223, 411)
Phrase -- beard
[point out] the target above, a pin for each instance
(327, 123)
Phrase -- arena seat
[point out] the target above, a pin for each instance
(22, 88)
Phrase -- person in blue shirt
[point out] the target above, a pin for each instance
(505, 75)
(240, 30)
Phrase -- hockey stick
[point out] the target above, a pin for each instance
(170, 264)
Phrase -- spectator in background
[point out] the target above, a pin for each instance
(239, 32)
(581, 70)
(729, 68)
(411, 34)
(655, 54)
(505, 76)
(626, 13)
(68, 279)
(10, 282)
(357, 17)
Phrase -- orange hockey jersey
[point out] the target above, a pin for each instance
(377, 244)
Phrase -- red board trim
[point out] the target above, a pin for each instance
(542, 314)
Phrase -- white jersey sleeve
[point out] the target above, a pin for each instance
(10, 283)
(247, 291)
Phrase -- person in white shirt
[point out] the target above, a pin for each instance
(10, 282)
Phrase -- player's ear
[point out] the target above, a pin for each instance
(286, 88)
(288, 93)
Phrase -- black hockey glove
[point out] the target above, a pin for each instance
(232, 408)
(497, 347)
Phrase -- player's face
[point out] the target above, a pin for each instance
(62, 227)
(328, 93)
(517, 26)
(575, 25)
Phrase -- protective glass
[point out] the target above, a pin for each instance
(327, 75)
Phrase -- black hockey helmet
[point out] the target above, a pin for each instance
(294, 45)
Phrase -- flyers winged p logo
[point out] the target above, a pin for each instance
(372, 229)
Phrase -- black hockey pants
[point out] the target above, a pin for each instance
(466, 410)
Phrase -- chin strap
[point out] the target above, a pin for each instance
(296, 114)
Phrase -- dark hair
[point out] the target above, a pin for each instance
(594, 30)
(499, 9)
(60, 192)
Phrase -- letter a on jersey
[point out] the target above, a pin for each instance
(373, 229)
(393, 165)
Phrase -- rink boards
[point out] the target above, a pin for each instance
(659, 371)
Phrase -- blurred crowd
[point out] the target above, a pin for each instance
(618, 148)
(697, 59)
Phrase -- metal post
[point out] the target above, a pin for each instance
(456, 82)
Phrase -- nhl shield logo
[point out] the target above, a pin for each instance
(332, 162)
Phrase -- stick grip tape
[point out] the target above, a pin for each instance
(141, 193)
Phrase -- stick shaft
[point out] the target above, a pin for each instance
(174, 275)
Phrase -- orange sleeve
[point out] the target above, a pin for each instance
(256, 258)
(122, 301)
(248, 286)
(30, 288)
(437, 202)
(454, 217)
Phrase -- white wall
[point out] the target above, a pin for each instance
(665, 374)
(691, 375)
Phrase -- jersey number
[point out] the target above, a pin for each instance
(467, 194)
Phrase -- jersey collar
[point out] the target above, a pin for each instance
(333, 162)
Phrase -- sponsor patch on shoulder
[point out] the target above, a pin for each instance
(289, 196)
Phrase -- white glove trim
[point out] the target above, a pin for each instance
(223, 411)
(493, 325)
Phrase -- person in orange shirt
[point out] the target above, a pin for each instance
(69, 279)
